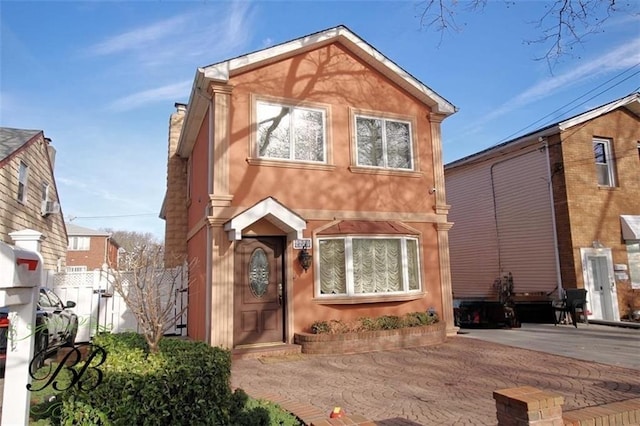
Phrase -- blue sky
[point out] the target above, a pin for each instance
(101, 79)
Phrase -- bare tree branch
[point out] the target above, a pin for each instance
(149, 290)
(563, 25)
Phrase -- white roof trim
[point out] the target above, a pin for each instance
(271, 210)
(223, 70)
(630, 227)
(627, 101)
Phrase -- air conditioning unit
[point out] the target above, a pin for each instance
(50, 207)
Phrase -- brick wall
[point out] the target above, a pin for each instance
(16, 216)
(96, 256)
(176, 225)
(591, 212)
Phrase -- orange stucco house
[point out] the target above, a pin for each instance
(306, 181)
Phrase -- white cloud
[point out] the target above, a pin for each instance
(170, 92)
(139, 38)
(623, 57)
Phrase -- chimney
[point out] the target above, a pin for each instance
(175, 206)
(51, 151)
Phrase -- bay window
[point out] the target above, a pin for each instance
(368, 266)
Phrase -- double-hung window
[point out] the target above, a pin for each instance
(604, 162)
(384, 143)
(23, 176)
(368, 266)
(79, 243)
(290, 133)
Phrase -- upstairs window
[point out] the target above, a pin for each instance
(604, 162)
(23, 176)
(383, 143)
(79, 243)
(285, 132)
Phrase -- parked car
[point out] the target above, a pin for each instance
(56, 326)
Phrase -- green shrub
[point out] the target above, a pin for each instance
(251, 412)
(385, 322)
(389, 322)
(185, 383)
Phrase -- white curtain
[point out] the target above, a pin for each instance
(332, 267)
(377, 265)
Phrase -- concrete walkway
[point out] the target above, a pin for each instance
(452, 383)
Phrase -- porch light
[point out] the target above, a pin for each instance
(304, 258)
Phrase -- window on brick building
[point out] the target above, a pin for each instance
(604, 162)
(79, 243)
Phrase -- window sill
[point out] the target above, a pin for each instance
(289, 164)
(356, 300)
(381, 171)
(608, 188)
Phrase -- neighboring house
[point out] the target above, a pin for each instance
(29, 204)
(558, 208)
(90, 249)
(319, 152)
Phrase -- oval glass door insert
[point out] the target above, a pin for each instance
(258, 273)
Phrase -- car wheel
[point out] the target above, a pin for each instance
(40, 352)
(71, 338)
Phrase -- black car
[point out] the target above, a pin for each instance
(56, 326)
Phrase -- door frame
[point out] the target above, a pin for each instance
(285, 286)
(595, 297)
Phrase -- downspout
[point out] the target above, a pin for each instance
(553, 220)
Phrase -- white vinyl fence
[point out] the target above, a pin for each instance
(100, 308)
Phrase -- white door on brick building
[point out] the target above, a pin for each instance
(597, 271)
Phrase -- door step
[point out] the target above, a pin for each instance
(266, 351)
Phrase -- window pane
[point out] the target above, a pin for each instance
(273, 131)
(332, 267)
(603, 174)
(369, 141)
(309, 135)
(377, 265)
(398, 145)
(599, 152)
(412, 265)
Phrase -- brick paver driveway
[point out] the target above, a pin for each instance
(449, 384)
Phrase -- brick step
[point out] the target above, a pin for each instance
(266, 351)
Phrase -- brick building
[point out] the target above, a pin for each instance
(29, 203)
(558, 208)
(90, 249)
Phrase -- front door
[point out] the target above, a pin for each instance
(600, 285)
(258, 291)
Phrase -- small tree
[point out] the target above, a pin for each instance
(150, 290)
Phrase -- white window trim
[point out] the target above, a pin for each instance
(79, 247)
(23, 179)
(610, 161)
(324, 110)
(350, 294)
(385, 119)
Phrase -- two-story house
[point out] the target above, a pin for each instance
(306, 180)
(29, 203)
(557, 208)
(90, 249)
